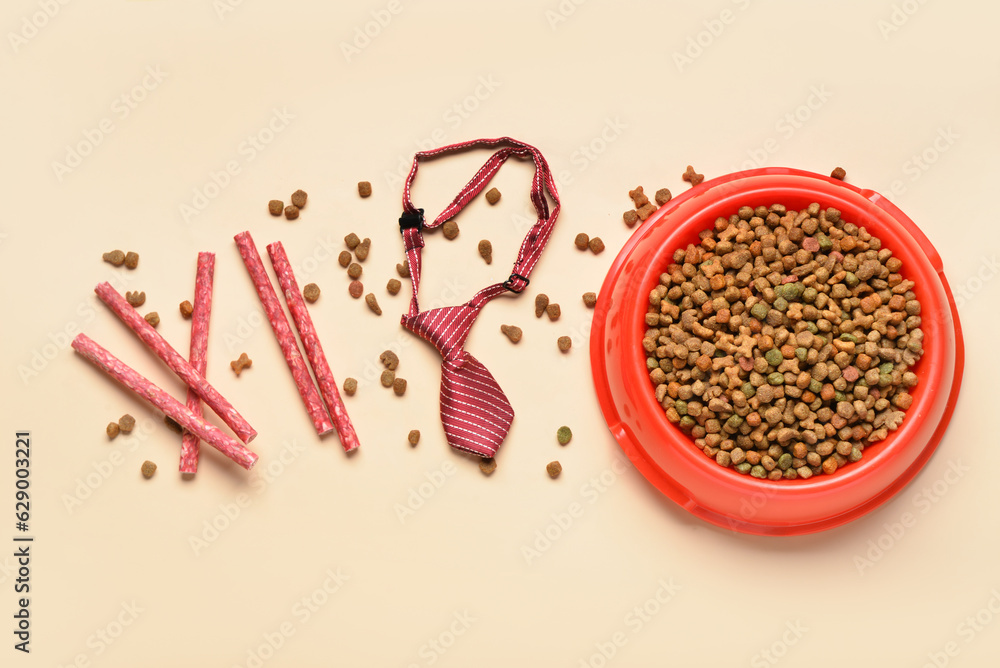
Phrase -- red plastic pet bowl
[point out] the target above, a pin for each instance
(668, 458)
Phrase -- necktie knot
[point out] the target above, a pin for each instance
(445, 328)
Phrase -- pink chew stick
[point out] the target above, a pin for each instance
(175, 361)
(283, 333)
(206, 431)
(314, 349)
(199, 349)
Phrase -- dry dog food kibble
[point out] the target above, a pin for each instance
(564, 435)
(126, 423)
(692, 176)
(112, 429)
(387, 378)
(645, 211)
(553, 311)
(564, 343)
(115, 257)
(364, 188)
(356, 289)
(299, 198)
(403, 270)
(784, 342)
(488, 465)
(242, 362)
(512, 332)
(450, 229)
(350, 386)
(596, 245)
(486, 250)
(413, 437)
(541, 304)
(389, 360)
(662, 196)
(135, 298)
(590, 299)
(399, 387)
(582, 241)
(839, 173)
(186, 309)
(361, 252)
(148, 469)
(344, 259)
(631, 217)
(275, 207)
(354, 271)
(153, 318)
(373, 303)
(311, 292)
(291, 212)
(393, 286)
(493, 196)
(553, 469)
(352, 240)
(638, 197)
(131, 260)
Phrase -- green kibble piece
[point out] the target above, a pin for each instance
(734, 422)
(748, 390)
(780, 303)
(824, 242)
(773, 357)
(776, 379)
(759, 310)
(801, 354)
(743, 467)
(885, 367)
(839, 396)
(564, 435)
(681, 407)
(815, 386)
(809, 295)
(758, 471)
(811, 326)
(884, 380)
(652, 363)
(855, 455)
(846, 336)
(851, 280)
(687, 423)
(793, 291)
(784, 461)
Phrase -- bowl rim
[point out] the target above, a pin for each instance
(664, 481)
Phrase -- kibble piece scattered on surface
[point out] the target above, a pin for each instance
(299, 198)
(662, 196)
(564, 343)
(350, 386)
(839, 173)
(148, 469)
(564, 435)
(541, 303)
(639, 198)
(512, 332)
(242, 362)
(590, 299)
(153, 318)
(172, 424)
(596, 245)
(115, 257)
(493, 196)
(403, 269)
(364, 188)
(113, 429)
(553, 469)
(186, 309)
(645, 211)
(486, 250)
(553, 311)
(356, 289)
(344, 259)
(354, 271)
(582, 241)
(413, 437)
(275, 207)
(487, 465)
(126, 423)
(291, 212)
(631, 217)
(352, 240)
(361, 252)
(373, 303)
(135, 298)
(131, 260)
(387, 378)
(399, 386)
(450, 229)
(389, 360)
(311, 292)
(393, 286)
(692, 177)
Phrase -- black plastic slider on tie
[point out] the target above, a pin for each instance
(509, 283)
(411, 219)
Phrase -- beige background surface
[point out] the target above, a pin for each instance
(119, 576)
